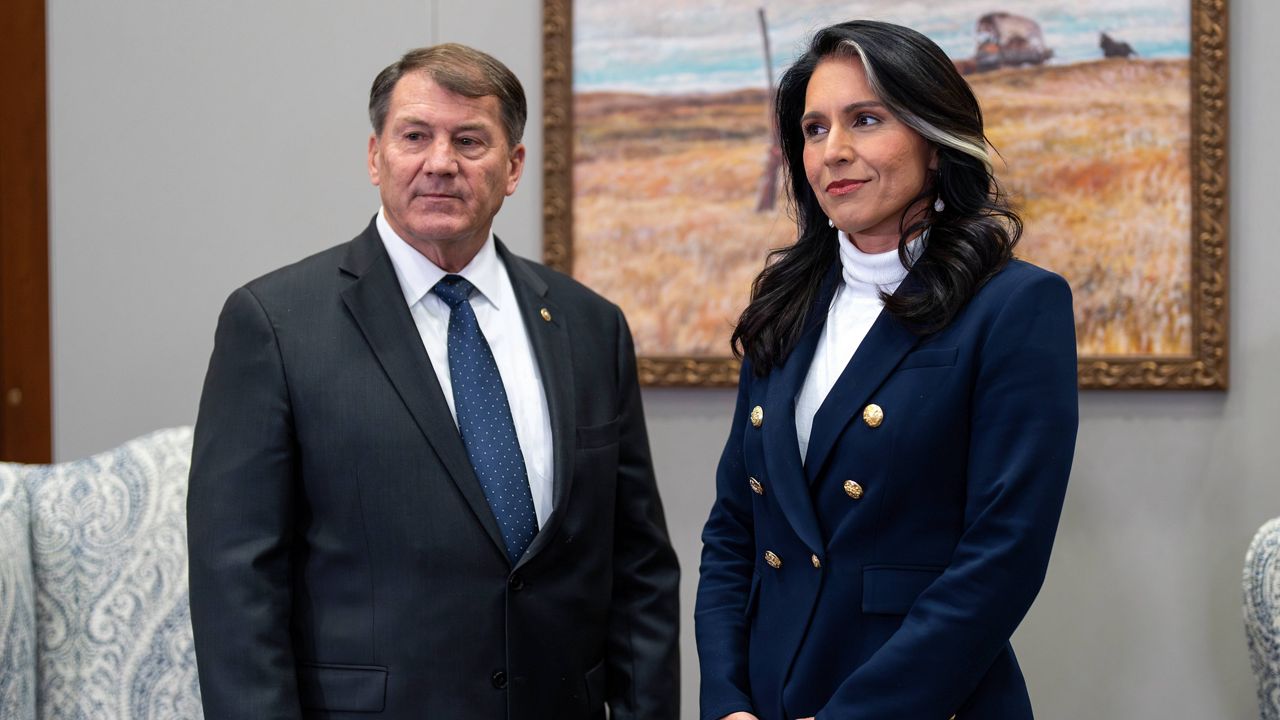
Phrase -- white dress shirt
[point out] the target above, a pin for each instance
(853, 311)
(498, 314)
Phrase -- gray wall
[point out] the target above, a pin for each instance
(196, 145)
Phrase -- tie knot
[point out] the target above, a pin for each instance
(454, 290)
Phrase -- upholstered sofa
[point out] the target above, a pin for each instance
(94, 615)
(1262, 615)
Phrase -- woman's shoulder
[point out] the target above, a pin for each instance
(1017, 288)
(1018, 277)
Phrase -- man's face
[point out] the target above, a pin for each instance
(442, 166)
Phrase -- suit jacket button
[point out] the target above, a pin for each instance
(516, 583)
(757, 416)
(499, 679)
(756, 487)
(546, 314)
(853, 489)
(816, 562)
(774, 561)
(873, 415)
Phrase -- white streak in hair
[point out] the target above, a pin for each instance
(976, 149)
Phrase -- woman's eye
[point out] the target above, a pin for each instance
(865, 119)
(813, 130)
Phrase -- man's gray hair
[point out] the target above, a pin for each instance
(459, 69)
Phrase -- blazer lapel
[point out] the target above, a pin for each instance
(377, 304)
(781, 447)
(876, 357)
(550, 340)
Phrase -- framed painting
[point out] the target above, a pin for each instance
(662, 190)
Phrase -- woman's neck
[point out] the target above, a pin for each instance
(875, 244)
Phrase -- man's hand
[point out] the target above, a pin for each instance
(740, 716)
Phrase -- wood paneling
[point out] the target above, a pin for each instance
(25, 399)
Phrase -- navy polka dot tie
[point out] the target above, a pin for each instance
(484, 419)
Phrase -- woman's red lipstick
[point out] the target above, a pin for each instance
(844, 187)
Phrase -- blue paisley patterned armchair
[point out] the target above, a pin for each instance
(17, 603)
(94, 614)
(1262, 615)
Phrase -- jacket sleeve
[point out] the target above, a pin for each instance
(1023, 421)
(643, 659)
(725, 580)
(240, 520)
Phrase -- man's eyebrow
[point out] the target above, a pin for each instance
(473, 126)
(417, 121)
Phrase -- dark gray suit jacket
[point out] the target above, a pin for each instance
(344, 561)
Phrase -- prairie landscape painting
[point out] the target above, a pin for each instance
(676, 196)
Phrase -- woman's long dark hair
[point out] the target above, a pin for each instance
(971, 239)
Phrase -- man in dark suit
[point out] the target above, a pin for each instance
(421, 484)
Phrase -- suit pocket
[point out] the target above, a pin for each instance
(893, 589)
(929, 357)
(342, 688)
(595, 436)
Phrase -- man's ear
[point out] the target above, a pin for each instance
(373, 159)
(516, 168)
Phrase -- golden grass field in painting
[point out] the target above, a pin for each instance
(1095, 156)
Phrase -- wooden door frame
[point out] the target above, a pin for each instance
(26, 426)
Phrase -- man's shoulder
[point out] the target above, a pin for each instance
(318, 272)
(318, 264)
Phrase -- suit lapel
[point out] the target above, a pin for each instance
(781, 448)
(377, 304)
(550, 340)
(876, 357)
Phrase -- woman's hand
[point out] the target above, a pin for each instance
(740, 716)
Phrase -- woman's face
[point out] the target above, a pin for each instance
(864, 164)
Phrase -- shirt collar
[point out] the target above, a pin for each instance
(417, 274)
(867, 274)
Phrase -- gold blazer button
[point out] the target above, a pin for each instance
(853, 489)
(816, 562)
(873, 415)
(757, 416)
(774, 561)
(756, 487)
(546, 314)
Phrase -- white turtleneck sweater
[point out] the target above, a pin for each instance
(853, 311)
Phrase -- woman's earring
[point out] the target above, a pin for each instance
(938, 205)
(831, 223)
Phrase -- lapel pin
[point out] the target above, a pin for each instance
(546, 314)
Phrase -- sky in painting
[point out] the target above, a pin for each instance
(675, 46)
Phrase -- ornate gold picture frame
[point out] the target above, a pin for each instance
(1149, 269)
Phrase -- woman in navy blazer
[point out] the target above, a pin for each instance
(906, 414)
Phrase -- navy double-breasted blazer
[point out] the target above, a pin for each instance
(881, 577)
